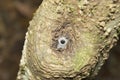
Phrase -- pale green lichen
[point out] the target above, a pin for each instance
(84, 54)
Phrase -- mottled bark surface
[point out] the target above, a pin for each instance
(91, 29)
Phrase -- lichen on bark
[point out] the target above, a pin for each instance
(91, 28)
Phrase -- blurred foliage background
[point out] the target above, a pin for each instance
(14, 20)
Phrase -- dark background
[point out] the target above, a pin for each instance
(14, 20)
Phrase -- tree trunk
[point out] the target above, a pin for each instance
(69, 39)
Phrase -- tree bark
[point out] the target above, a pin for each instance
(88, 28)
